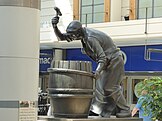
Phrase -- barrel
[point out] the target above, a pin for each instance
(71, 88)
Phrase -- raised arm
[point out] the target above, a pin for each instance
(60, 36)
(55, 21)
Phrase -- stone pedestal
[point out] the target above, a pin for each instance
(94, 118)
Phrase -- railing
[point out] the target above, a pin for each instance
(150, 51)
(87, 18)
(100, 17)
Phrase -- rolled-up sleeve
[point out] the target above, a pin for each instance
(98, 50)
(139, 102)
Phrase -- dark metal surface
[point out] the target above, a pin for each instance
(110, 69)
(71, 105)
(70, 91)
(75, 65)
(71, 88)
(71, 74)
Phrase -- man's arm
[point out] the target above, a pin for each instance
(134, 111)
(137, 106)
(60, 36)
(100, 55)
(99, 69)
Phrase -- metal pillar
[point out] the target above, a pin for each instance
(58, 54)
(19, 59)
(129, 91)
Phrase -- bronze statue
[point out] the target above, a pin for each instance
(109, 72)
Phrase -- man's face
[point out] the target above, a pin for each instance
(75, 35)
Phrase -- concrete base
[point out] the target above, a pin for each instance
(93, 118)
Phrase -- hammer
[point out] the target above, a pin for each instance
(58, 12)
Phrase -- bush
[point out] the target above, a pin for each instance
(154, 97)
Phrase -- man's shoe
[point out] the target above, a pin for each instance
(123, 114)
(92, 114)
(105, 115)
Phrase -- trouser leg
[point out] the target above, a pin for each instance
(108, 90)
(124, 110)
(105, 105)
(121, 102)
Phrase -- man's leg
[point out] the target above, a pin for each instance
(124, 110)
(103, 105)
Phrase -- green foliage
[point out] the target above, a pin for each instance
(154, 97)
(138, 88)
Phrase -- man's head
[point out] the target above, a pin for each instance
(74, 30)
(144, 92)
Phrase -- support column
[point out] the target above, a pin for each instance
(129, 91)
(107, 10)
(132, 12)
(58, 54)
(115, 7)
(76, 15)
(19, 59)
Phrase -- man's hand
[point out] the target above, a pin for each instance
(99, 70)
(97, 75)
(55, 21)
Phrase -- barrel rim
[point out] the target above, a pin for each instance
(71, 96)
(71, 89)
(72, 71)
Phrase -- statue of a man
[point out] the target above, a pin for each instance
(109, 72)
